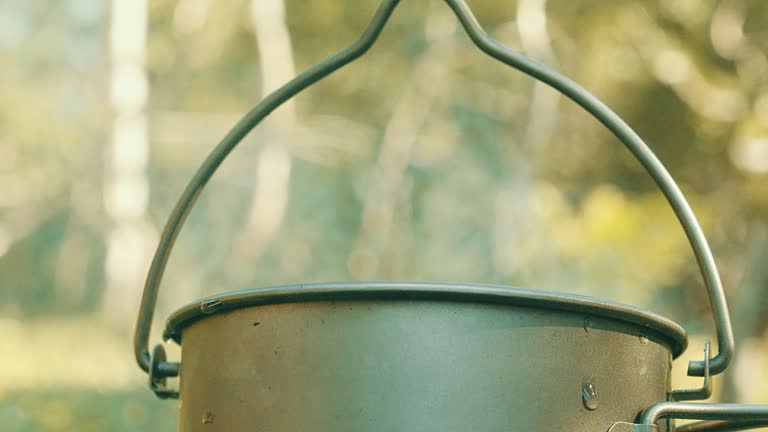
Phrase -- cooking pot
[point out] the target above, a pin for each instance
(432, 356)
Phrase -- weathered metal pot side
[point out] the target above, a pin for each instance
(405, 356)
(427, 356)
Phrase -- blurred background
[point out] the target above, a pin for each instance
(423, 160)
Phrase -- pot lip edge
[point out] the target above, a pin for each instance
(673, 335)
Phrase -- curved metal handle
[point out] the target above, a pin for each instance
(736, 414)
(498, 51)
(722, 425)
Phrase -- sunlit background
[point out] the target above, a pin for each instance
(423, 160)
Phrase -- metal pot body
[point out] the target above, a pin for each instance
(383, 365)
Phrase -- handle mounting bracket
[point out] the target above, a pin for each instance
(700, 393)
(159, 371)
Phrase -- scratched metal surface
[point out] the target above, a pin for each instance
(415, 365)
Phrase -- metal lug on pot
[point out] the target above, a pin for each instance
(700, 393)
(159, 371)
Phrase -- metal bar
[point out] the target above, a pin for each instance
(705, 411)
(722, 425)
(217, 156)
(518, 61)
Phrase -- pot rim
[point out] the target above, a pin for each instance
(672, 334)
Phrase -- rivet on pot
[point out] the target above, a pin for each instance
(587, 324)
(589, 395)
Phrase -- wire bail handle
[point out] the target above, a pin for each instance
(159, 368)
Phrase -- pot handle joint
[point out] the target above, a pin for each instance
(700, 393)
(718, 417)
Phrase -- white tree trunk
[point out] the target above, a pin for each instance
(126, 187)
(273, 170)
(514, 200)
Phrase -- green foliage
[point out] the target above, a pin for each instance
(86, 411)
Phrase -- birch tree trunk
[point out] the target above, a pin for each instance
(273, 170)
(126, 187)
